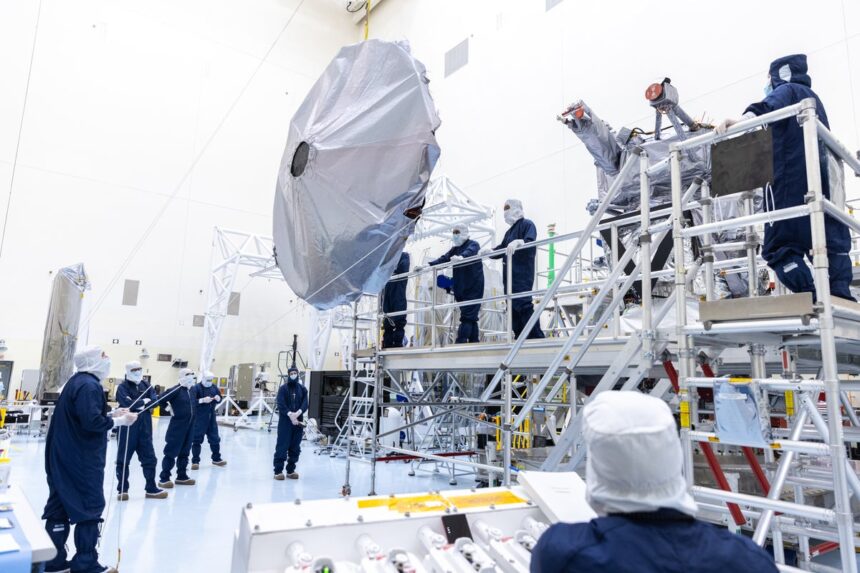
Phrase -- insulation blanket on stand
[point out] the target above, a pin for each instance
(352, 180)
(631, 320)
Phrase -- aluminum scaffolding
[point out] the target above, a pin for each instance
(791, 352)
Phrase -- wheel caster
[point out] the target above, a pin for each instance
(411, 474)
(452, 482)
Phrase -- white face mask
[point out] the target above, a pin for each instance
(294, 377)
(135, 376)
(187, 381)
(513, 214)
(102, 371)
(207, 383)
(458, 239)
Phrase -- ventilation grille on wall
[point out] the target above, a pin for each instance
(233, 304)
(551, 4)
(129, 292)
(456, 57)
(198, 320)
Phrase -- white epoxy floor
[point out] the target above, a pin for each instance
(192, 530)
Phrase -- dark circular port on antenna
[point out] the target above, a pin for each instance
(300, 159)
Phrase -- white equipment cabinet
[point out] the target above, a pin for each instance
(405, 532)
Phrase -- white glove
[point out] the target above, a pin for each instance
(294, 418)
(146, 401)
(125, 420)
(201, 400)
(725, 125)
(456, 258)
(514, 245)
(119, 412)
(217, 397)
(418, 268)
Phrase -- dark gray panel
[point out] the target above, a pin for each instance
(742, 163)
(198, 320)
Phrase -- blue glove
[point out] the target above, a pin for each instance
(445, 282)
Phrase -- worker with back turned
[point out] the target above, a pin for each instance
(75, 456)
(646, 522)
(394, 300)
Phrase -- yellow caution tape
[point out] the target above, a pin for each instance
(713, 439)
(411, 504)
(685, 414)
(485, 499)
(740, 380)
(789, 403)
(439, 502)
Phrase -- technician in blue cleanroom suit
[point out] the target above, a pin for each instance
(635, 484)
(136, 395)
(787, 243)
(292, 405)
(522, 231)
(177, 441)
(75, 456)
(468, 282)
(394, 300)
(205, 396)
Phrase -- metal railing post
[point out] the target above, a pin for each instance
(507, 428)
(616, 314)
(645, 258)
(707, 239)
(684, 350)
(509, 289)
(844, 516)
(433, 307)
(751, 244)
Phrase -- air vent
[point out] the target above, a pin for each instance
(550, 4)
(129, 293)
(233, 305)
(198, 320)
(456, 57)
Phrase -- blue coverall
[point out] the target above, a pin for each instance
(663, 541)
(468, 285)
(137, 438)
(75, 457)
(292, 397)
(522, 274)
(394, 300)
(788, 242)
(177, 441)
(205, 423)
